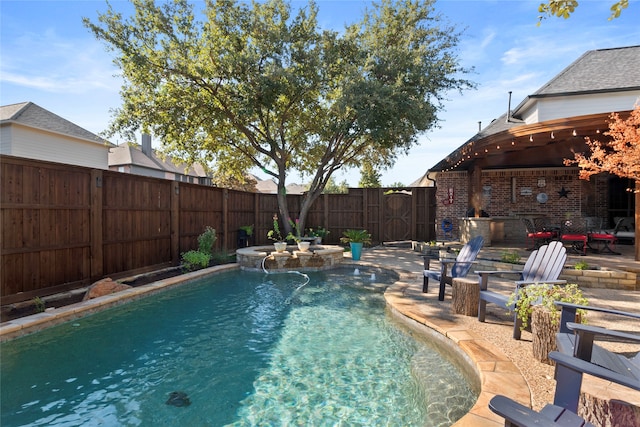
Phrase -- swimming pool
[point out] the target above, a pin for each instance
(247, 349)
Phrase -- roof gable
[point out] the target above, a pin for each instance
(32, 115)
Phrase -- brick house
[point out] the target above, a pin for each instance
(514, 167)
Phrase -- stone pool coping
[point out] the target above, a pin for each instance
(54, 316)
(495, 373)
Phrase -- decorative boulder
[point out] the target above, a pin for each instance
(104, 287)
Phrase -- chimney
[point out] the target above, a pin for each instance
(146, 145)
(509, 109)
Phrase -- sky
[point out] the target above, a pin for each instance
(48, 57)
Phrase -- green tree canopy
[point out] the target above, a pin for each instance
(239, 85)
(333, 187)
(369, 177)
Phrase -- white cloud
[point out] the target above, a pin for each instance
(61, 65)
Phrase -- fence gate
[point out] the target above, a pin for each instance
(397, 217)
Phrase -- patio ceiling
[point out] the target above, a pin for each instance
(544, 144)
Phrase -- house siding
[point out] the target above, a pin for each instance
(580, 105)
(5, 140)
(41, 145)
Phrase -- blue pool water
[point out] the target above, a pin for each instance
(247, 348)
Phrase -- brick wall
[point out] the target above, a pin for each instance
(514, 193)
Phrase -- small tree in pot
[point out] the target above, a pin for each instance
(356, 239)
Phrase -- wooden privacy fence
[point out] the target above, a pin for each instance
(65, 226)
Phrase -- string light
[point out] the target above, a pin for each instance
(530, 138)
(575, 133)
(552, 135)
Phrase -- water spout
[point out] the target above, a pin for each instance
(356, 272)
(306, 277)
(373, 276)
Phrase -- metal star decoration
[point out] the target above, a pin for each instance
(564, 193)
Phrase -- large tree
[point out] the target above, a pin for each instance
(564, 8)
(619, 155)
(241, 85)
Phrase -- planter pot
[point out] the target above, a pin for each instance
(318, 241)
(304, 246)
(280, 246)
(356, 250)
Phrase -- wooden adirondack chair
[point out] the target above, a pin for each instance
(544, 265)
(569, 372)
(459, 268)
(577, 340)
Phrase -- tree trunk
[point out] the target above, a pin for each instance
(544, 334)
(465, 296)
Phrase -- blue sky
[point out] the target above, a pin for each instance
(48, 57)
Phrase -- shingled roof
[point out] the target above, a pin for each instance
(34, 116)
(601, 70)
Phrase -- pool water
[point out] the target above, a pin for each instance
(247, 349)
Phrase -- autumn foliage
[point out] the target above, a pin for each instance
(620, 155)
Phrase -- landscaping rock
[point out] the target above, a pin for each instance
(104, 287)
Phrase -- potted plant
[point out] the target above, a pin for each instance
(303, 244)
(244, 235)
(319, 233)
(276, 235)
(356, 239)
(536, 302)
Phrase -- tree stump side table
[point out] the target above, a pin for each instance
(465, 296)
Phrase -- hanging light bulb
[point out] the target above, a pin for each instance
(552, 135)
(575, 133)
(530, 138)
(513, 142)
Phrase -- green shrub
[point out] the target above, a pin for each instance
(222, 257)
(193, 260)
(581, 265)
(545, 295)
(206, 241)
(39, 305)
(512, 257)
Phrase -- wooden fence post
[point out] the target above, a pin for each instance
(175, 223)
(365, 208)
(225, 219)
(414, 214)
(95, 218)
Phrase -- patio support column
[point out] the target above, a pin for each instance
(475, 185)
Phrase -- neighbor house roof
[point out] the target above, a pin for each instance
(131, 154)
(34, 116)
(269, 186)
